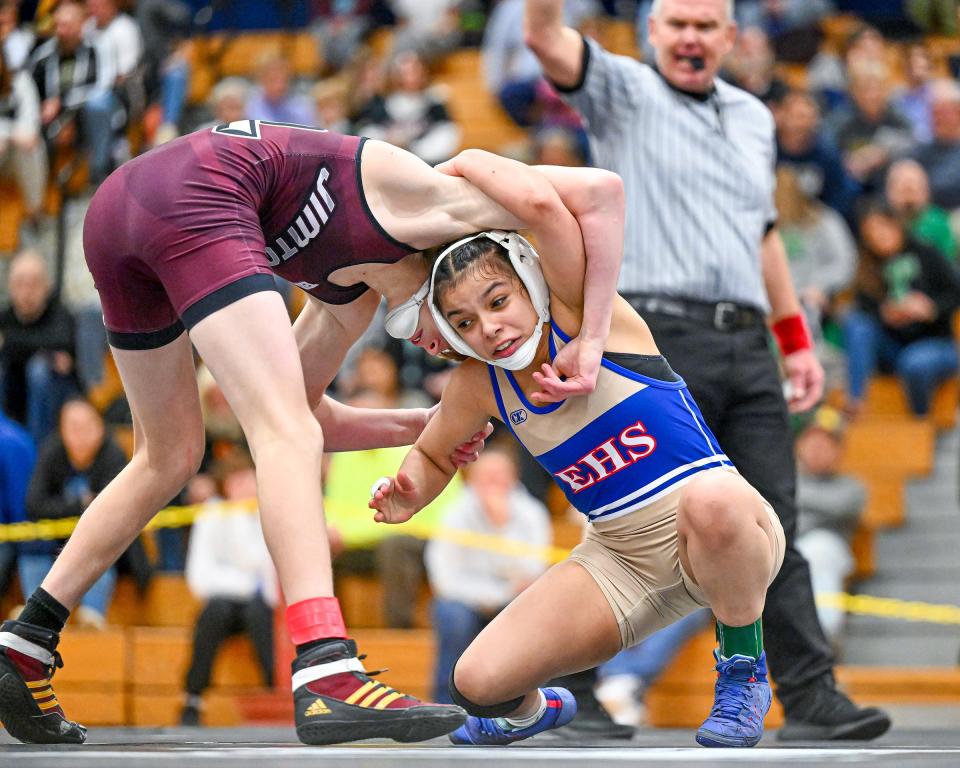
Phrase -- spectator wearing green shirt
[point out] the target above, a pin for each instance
(908, 192)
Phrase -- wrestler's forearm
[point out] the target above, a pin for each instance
(595, 198)
(346, 428)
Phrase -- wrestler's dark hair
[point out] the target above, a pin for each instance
(481, 257)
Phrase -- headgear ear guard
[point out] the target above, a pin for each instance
(401, 322)
(526, 263)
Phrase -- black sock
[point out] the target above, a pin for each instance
(44, 610)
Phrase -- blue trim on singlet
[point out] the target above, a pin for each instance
(719, 460)
(538, 409)
(625, 372)
(503, 409)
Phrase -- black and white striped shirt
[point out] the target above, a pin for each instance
(71, 77)
(698, 173)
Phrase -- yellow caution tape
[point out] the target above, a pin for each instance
(182, 516)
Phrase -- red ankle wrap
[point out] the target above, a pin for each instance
(315, 619)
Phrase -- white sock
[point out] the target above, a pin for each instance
(519, 723)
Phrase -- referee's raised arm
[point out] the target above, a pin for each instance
(559, 47)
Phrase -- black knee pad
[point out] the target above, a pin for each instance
(479, 710)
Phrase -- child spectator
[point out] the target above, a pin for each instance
(229, 567)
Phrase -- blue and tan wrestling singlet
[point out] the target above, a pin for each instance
(630, 442)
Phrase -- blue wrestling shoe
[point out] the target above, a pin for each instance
(493, 731)
(741, 701)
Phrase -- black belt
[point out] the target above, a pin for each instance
(721, 315)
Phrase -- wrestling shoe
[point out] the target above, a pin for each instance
(822, 713)
(741, 700)
(495, 731)
(28, 706)
(335, 700)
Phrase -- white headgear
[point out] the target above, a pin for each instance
(526, 263)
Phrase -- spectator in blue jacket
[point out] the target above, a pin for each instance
(17, 457)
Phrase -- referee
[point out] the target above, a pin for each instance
(705, 266)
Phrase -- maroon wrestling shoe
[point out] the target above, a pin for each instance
(335, 701)
(29, 708)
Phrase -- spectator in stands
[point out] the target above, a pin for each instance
(340, 27)
(228, 101)
(164, 24)
(366, 101)
(417, 116)
(16, 40)
(941, 157)
(18, 454)
(330, 98)
(827, 72)
(73, 466)
(473, 584)
(430, 27)
(376, 371)
(117, 38)
(119, 44)
(915, 99)
(822, 257)
(273, 99)
(870, 132)
(76, 99)
(830, 505)
(510, 69)
(36, 347)
(812, 154)
(22, 154)
(908, 192)
(751, 66)
(906, 294)
(229, 568)
(394, 556)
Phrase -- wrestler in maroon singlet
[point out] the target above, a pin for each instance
(198, 223)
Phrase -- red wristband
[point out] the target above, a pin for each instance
(315, 619)
(792, 334)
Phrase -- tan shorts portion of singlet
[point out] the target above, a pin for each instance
(635, 560)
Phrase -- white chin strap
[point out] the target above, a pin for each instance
(526, 263)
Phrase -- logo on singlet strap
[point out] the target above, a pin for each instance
(306, 226)
(518, 416)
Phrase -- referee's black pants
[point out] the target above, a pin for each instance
(734, 378)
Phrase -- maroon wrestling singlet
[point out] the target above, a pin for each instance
(184, 230)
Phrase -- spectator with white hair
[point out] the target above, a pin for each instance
(941, 157)
(274, 98)
(36, 347)
(228, 100)
(871, 132)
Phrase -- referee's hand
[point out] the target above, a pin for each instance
(805, 375)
